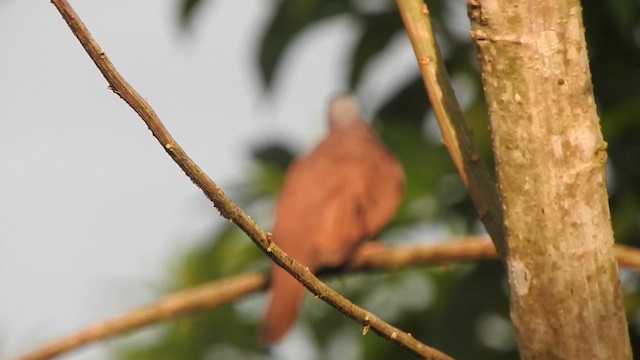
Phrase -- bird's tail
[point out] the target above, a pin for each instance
(286, 295)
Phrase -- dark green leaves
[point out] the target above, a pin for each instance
(290, 19)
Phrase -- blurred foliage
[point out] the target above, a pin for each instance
(460, 309)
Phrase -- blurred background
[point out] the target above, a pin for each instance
(95, 219)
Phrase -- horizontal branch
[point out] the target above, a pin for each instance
(627, 256)
(209, 295)
(469, 248)
(220, 292)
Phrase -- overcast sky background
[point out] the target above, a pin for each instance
(92, 211)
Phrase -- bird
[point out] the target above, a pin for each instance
(332, 199)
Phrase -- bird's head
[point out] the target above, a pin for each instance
(344, 112)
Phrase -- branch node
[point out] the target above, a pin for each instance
(365, 329)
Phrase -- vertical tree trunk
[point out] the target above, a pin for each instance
(566, 301)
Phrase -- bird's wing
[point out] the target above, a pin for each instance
(339, 194)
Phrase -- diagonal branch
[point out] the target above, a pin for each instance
(456, 135)
(217, 293)
(225, 206)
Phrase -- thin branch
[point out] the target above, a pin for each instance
(217, 293)
(456, 135)
(627, 256)
(225, 206)
(206, 296)
(470, 248)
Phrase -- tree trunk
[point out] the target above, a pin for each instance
(565, 295)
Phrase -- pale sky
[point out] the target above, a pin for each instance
(92, 211)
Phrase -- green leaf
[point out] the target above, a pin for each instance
(379, 30)
(290, 19)
(187, 9)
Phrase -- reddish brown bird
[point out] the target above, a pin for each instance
(342, 192)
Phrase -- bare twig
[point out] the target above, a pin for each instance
(627, 256)
(216, 293)
(470, 248)
(224, 205)
(206, 296)
(456, 135)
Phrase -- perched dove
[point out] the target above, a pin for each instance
(342, 192)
